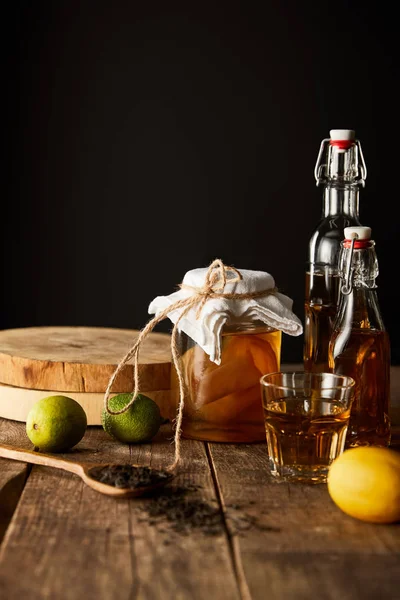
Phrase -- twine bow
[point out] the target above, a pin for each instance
(215, 281)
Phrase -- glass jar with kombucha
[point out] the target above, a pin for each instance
(222, 401)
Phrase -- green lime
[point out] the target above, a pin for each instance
(56, 423)
(139, 423)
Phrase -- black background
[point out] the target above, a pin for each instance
(144, 140)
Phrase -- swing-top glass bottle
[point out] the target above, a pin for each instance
(341, 170)
(360, 345)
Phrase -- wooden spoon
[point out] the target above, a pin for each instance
(81, 469)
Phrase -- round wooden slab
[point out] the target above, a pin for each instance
(81, 359)
(15, 402)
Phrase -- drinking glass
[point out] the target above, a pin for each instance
(306, 416)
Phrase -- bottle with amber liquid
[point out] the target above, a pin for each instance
(360, 345)
(341, 170)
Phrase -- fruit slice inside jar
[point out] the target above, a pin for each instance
(223, 402)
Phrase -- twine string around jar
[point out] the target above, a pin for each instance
(216, 278)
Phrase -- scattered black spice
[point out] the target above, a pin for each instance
(129, 476)
(175, 505)
(183, 513)
(186, 514)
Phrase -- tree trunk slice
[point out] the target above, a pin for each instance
(81, 359)
(16, 402)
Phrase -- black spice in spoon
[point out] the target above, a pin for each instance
(125, 476)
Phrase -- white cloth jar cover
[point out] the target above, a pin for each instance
(205, 328)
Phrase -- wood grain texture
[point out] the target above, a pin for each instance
(12, 477)
(81, 359)
(16, 402)
(67, 541)
(308, 548)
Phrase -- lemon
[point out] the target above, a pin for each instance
(139, 423)
(56, 423)
(365, 483)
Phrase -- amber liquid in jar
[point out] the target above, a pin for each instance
(320, 307)
(223, 402)
(364, 360)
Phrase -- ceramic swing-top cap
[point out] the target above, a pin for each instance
(360, 233)
(342, 135)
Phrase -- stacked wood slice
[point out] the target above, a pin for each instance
(78, 362)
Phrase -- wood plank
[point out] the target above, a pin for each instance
(82, 359)
(72, 542)
(309, 548)
(12, 479)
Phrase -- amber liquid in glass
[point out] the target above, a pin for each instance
(223, 402)
(363, 358)
(304, 435)
(320, 309)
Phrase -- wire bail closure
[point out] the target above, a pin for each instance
(320, 168)
(347, 287)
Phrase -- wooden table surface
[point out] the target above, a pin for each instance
(62, 540)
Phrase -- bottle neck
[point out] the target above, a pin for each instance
(341, 200)
(358, 299)
(358, 267)
(359, 310)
